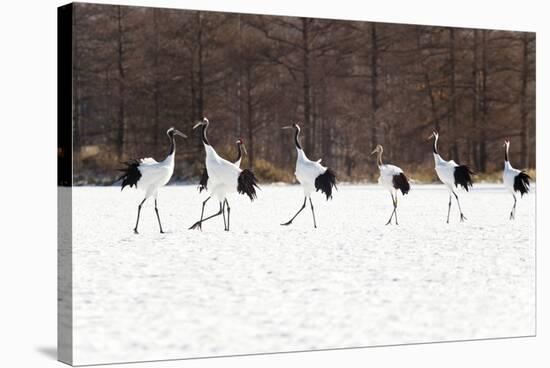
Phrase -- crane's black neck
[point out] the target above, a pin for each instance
(297, 138)
(239, 152)
(172, 145)
(203, 133)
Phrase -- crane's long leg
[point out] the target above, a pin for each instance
(223, 214)
(394, 207)
(228, 213)
(313, 212)
(462, 217)
(158, 217)
(300, 210)
(513, 212)
(449, 210)
(139, 210)
(198, 224)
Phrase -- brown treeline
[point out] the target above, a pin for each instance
(352, 85)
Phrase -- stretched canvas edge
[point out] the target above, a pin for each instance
(64, 184)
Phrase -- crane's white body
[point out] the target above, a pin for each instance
(155, 174)
(445, 171)
(222, 175)
(387, 172)
(307, 171)
(508, 176)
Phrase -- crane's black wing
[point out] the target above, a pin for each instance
(325, 182)
(247, 184)
(401, 182)
(521, 183)
(463, 176)
(131, 174)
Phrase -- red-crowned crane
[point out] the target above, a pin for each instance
(452, 175)
(516, 181)
(240, 150)
(393, 179)
(220, 178)
(149, 175)
(312, 176)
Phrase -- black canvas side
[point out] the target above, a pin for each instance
(64, 184)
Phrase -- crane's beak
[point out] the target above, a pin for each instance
(430, 137)
(244, 149)
(198, 125)
(287, 127)
(375, 151)
(177, 132)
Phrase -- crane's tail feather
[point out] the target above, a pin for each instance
(521, 183)
(131, 174)
(247, 184)
(203, 183)
(325, 182)
(463, 177)
(401, 182)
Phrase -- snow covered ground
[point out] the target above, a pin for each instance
(267, 288)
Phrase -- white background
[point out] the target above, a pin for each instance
(28, 181)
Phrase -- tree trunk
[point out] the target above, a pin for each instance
(200, 99)
(249, 115)
(524, 156)
(484, 104)
(193, 88)
(197, 80)
(76, 87)
(156, 97)
(240, 77)
(349, 165)
(374, 84)
(121, 131)
(308, 123)
(452, 98)
(475, 99)
(109, 106)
